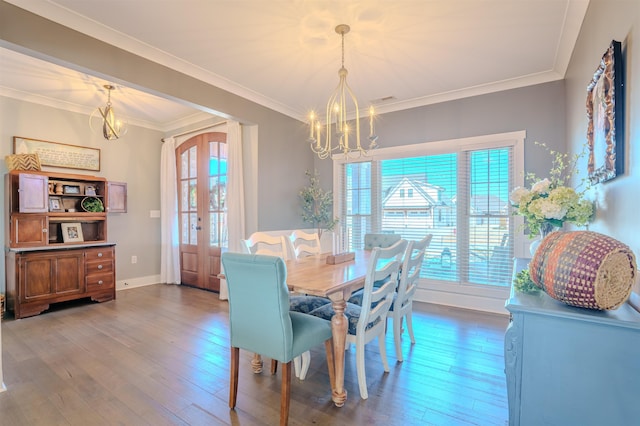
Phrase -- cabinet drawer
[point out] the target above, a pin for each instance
(99, 267)
(99, 282)
(99, 254)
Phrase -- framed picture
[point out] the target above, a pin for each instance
(71, 189)
(72, 232)
(90, 190)
(55, 204)
(54, 154)
(605, 114)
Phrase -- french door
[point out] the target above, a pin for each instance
(202, 183)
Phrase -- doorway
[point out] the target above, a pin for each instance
(202, 211)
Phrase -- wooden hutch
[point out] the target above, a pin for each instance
(56, 250)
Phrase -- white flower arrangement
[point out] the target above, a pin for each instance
(550, 202)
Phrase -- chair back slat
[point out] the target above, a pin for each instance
(411, 266)
(263, 243)
(383, 269)
(304, 244)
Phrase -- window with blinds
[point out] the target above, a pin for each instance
(459, 192)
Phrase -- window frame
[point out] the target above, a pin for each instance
(515, 140)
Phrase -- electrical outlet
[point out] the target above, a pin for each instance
(134, 259)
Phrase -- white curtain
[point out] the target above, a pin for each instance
(235, 187)
(169, 238)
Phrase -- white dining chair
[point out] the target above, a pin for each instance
(368, 321)
(402, 306)
(263, 243)
(304, 244)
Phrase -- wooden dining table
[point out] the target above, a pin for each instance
(312, 275)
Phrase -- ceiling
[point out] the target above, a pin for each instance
(285, 54)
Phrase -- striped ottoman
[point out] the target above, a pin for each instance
(584, 269)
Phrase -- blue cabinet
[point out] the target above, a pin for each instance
(571, 366)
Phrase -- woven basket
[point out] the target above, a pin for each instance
(584, 269)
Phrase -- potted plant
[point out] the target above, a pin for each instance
(317, 204)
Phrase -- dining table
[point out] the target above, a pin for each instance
(313, 275)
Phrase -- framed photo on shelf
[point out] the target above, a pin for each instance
(55, 204)
(72, 232)
(71, 189)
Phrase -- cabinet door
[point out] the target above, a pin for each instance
(70, 273)
(116, 197)
(29, 230)
(37, 277)
(46, 276)
(33, 193)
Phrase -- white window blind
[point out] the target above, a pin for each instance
(459, 193)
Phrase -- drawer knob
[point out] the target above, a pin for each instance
(99, 266)
(100, 254)
(100, 282)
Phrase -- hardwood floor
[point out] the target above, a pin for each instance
(159, 355)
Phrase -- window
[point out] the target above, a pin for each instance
(459, 192)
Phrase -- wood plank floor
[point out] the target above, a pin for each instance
(159, 355)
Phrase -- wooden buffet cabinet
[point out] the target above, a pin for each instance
(41, 267)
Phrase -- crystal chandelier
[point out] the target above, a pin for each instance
(104, 119)
(338, 130)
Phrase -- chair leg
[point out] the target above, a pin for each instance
(274, 367)
(410, 326)
(304, 367)
(296, 365)
(362, 375)
(397, 336)
(285, 393)
(233, 379)
(383, 351)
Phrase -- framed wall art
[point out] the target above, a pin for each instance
(605, 114)
(61, 155)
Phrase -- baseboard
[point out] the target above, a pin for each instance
(457, 300)
(137, 282)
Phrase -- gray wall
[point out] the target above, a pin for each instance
(537, 109)
(617, 200)
(134, 159)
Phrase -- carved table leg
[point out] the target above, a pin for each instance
(256, 364)
(339, 331)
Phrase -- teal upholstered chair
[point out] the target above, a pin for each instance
(260, 320)
(380, 240)
(369, 321)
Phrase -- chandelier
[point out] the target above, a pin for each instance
(104, 119)
(339, 136)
